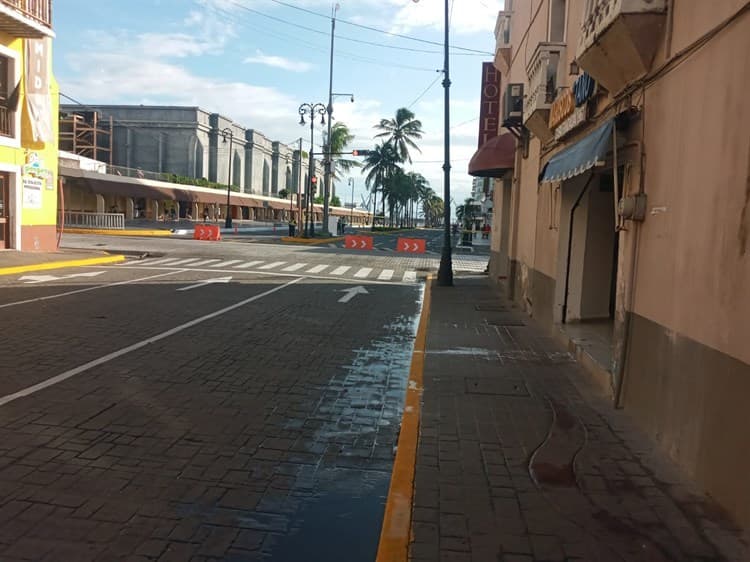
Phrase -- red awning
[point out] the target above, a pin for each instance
(494, 158)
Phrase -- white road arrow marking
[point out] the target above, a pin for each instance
(29, 279)
(206, 282)
(353, 292)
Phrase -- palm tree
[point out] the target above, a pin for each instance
(467, 212)
(433, 209)
(420, 185)
(381, 165)
(401, 132)
(340, 139)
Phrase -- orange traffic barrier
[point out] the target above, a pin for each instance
(358, 242)
(207, 232)
(411, 245)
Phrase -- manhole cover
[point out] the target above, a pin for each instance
(496, 386)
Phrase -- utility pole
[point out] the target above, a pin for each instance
(445, 272)
(299, 186)
(328, 163)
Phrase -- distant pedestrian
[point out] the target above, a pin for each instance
(205, 214)
(292, 227)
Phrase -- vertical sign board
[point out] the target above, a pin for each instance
(38, 101)
(489, 112)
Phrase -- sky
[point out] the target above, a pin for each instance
(256, 61)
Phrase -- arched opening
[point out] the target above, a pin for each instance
(198, 164)
(236, 170)
(288, 182)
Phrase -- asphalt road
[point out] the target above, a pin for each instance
(229, 401)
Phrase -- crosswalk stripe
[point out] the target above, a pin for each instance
(204, 262)
(341, 270)
(272, 265)
(225, 263)
(294, 267)
(364, 272)
(249, 264)
(158, 261)
(410, 276)
(385, 275)
(184, 262)
(317, 268)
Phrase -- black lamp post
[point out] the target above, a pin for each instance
(445, 272)
(311, 110)
(228, 133)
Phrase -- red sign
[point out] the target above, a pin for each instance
(489, 112)
(411, 245)
(207, 232)
(358, 242)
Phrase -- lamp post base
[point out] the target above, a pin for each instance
(228, 222)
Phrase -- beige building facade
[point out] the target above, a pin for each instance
(622, 214)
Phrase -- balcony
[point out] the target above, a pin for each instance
(619, 39)
(543, 72)
(26, 18)
(502, 42)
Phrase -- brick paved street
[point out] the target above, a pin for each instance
(519, 460)
(266, 432)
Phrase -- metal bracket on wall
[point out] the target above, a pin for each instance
(521, 133)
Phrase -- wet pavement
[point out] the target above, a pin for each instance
(520, 460)
(252, 420)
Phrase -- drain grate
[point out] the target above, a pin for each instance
(496, 386)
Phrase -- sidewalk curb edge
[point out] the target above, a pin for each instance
(61, 264)
(395, 533)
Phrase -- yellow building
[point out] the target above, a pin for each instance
(28, 127)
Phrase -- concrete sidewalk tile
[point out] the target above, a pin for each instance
(499, 479)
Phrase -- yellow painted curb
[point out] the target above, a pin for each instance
(396, 531)
(119, 232)
(60, 264)
(311, 241)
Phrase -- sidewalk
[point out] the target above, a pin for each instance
(519, 459)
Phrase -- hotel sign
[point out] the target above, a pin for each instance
(561, 108)
(489, 112)
(569, 110)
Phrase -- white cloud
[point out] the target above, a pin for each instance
(278, 62)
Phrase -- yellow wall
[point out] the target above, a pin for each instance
(45, 153)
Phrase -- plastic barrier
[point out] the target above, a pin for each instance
(207, 232)
(411, 245)
(358, 242)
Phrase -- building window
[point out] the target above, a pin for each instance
(7, 111)
(557, 21)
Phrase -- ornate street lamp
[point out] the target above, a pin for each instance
(311, 110)
(227, 132)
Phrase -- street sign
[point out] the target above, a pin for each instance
(358, 242)
(411, 245)
(353, 292)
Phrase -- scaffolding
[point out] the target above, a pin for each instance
(88, 134)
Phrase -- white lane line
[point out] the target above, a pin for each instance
(184, 262)
(248, 264)
(385, 275)
(125, 350)
(87, 289)
(340, 270)
(204, 262)
(272, 265)
(294, 267)
(223, 264)
(317, 268)
(410, 277)
(362, 273)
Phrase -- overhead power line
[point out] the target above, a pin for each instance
(370, 28)
(427, 89)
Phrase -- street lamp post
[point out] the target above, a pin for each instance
(311, 110)
(445, 272)
(227, 132)
(351, 216)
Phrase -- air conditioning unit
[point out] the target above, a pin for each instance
(513, 105)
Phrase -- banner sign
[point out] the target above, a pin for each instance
(489, 112)
(38, 101)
